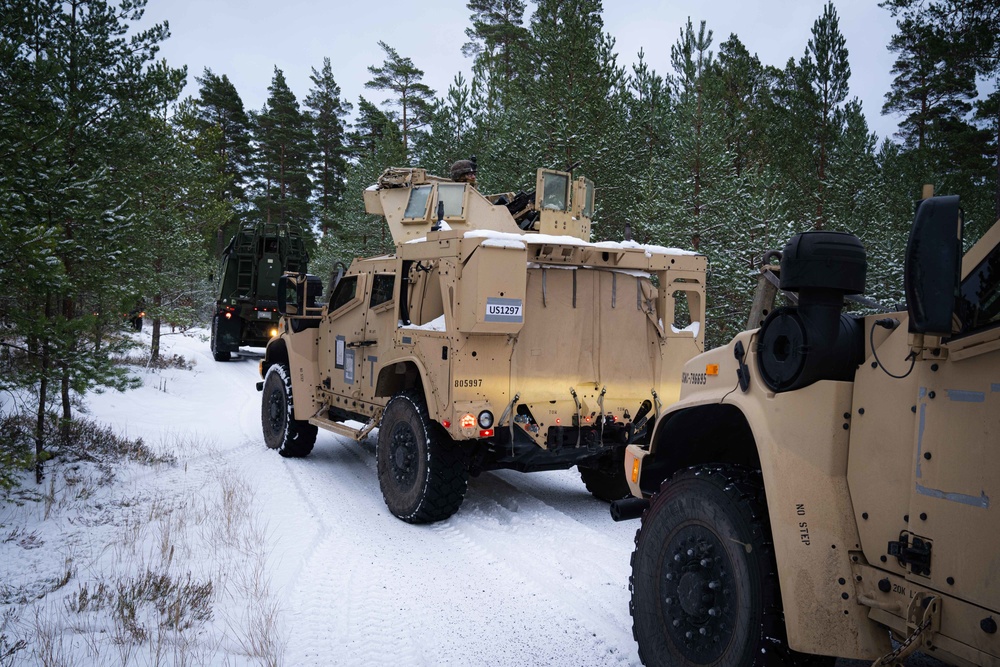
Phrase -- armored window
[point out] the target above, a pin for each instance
(453, 197)
(555, 191)
(346, 289)
(979, 302)
(588, 199)
(416, 208)
(382, 289)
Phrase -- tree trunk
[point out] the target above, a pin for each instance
(154, 347)
(43, 387)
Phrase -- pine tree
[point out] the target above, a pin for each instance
(451, 134)
(828, 69)
(78, 80)
(402, 78)
(224, 128)
(942, 46)
(650, 118)
(327, 118)
(497, 41)
(375, 145)
(284, 148)
(931, 84)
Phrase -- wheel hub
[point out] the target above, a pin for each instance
(276, 410)
(697, 597)
(403, 455)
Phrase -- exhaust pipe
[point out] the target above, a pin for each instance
(628, 508)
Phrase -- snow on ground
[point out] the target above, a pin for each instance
(230, 554)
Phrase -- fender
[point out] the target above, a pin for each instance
(300, 352)
(390, 380)
(802, 453)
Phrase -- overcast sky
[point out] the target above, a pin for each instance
(246, 39)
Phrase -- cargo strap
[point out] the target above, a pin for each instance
(579, 424)
(506, 413)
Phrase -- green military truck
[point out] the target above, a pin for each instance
(246, 305)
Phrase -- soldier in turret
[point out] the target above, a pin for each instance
(464, 171)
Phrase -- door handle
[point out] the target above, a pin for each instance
(362, 343)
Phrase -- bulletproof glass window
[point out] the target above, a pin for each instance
(346, 289)
(979, 300)
(555, 192)
(453, 197)
(588, 200)
(416, 208)
(382, 289)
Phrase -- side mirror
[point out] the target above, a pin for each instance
(933, 265)
(287, 287)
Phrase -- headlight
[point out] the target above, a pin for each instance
(485, 419)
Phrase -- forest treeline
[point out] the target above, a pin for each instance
(116, 193)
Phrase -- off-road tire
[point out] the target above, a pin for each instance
(292, 438)
(423, 474)
(218, 356)
(605, 479)
(704, 560)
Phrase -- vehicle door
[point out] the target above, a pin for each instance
(380, 322)
(342, 334)
(955, 496)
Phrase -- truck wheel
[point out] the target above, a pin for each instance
(704, 581)
(605, 478)
(422, 472)
(218, 356)
(291, 437)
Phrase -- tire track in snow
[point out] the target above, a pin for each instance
(341, 610)
(549, 564)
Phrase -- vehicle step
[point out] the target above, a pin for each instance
(345, 430)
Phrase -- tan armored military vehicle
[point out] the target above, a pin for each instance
(827, 479)
(496, 336)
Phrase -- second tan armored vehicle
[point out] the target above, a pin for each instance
(828, 479)
(496, 336)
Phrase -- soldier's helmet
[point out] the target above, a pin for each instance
(461, 169)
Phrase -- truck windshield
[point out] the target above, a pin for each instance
(979, 303)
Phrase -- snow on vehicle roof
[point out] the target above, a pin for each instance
(535, 239)
(503, 243)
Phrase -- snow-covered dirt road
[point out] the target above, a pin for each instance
(530, 571)
(221, 552)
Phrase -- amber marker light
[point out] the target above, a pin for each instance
(635, 470)
(711, 369)
(468, 421)
(274, 332)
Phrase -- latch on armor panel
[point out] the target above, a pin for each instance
(912, 551)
